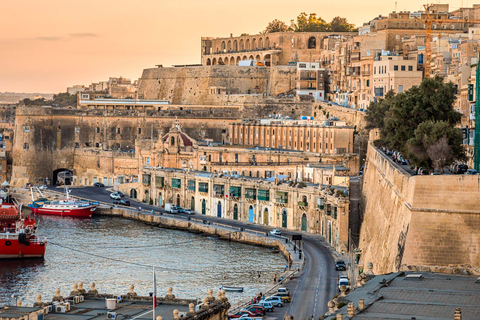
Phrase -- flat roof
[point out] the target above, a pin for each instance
(432, 296)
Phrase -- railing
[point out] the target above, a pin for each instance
(302, 204)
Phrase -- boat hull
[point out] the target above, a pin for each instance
(66, 212)
(12, 249)
(236, 289)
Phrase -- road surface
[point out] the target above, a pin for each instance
(311, 290)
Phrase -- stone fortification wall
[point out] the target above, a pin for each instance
(199, 85)
(352, 117)
(418, 220)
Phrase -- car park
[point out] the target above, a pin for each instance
(115, 196)
(122, 202)
(340, 265)
(98, 184)
(276, 301)
(276, 232)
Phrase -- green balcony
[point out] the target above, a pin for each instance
(251, 194)
(264, 195)
(281, 197)
(203, 187)
(176, 183)
(218, 190)
(302, 204)
(321, 203)
(159, 181)
(191, 185)
(235, 192)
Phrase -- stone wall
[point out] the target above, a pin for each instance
(418, 220)
(352, 117)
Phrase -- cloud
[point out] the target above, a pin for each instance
(49, 38)
(83, 35)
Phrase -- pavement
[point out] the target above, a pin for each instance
(311, 290)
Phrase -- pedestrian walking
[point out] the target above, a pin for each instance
(275, 278)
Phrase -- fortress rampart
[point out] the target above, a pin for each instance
(429, 221)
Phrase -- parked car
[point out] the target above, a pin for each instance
(241, 313)
(267, 305)
(98, 184)
(283, 290)
(472, 171)
(43, 187)
(115, 196)
(122, 202)
(171, 208)
(343, 281)
(258, 306)
(461, 168)
(276, 301)
(340, 265)
(189, 211)
(180, 210)
(284, 296)
(120, 193)
(276, 232)
(258, 310)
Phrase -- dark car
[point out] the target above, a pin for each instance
(180, 210)
(122, 202)
(258, 310)
(340, 265)
(461, 169)
(98, 184)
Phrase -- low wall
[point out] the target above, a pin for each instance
(418, 221)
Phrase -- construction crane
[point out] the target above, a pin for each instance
(428, 35)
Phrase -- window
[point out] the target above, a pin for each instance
(403, 68)
(77, 129)
(26, 129)
(400, 88)
(97, 129)
(374, 70)
(312, 43)
(118, 130)
(410, 68)
(172, 141)
(139, 130)
(25, 146)
(147, 161)
(395, 68)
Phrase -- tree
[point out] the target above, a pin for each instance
(63, 99)
(309, 23)
(417, 119)
(339, 24)
(276, 26)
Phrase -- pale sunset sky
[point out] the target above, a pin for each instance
(47, 45)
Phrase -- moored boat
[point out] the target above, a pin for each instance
(230, 288)
(65, 207)
(18, 235)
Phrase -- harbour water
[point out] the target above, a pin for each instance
(115, 252)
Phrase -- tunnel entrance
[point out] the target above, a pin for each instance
(62, 177)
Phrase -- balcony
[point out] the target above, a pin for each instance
(203, 187)
(282, 200)
(302, 204)
(191, 185)
(366, 73)
(176, 183)
(264, 195)
(308, 78)
(235, 192)
(218, 190)
(250, 194)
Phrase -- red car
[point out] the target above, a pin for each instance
(258, 310)
(241, 313)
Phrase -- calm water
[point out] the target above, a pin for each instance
(189, 263)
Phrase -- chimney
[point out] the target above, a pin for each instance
(231, 35)
(350, 309)
(458, 314)
(361, 304)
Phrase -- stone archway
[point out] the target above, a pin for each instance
(304, 222)
(265, 217)
(232, 61)
(284, 218)
(214, 61)
(178, 200)
(133, 193)
(209, 62)
(62, 176)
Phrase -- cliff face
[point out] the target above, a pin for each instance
(418, 220)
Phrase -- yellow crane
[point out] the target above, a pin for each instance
(428, 35)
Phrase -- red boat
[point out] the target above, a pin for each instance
(67, 207)
(18, 236)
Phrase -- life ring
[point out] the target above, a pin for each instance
(42, 244)
(7, 243)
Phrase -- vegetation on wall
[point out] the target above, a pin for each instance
(420, 123)
(311, 23)
(63, 99)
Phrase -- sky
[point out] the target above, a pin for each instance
(48, 45)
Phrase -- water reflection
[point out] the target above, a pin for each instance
(189, 263)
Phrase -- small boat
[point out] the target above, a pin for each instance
(66, 207)
(229, 288)
(18, 235)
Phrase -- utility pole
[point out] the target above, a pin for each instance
(476, 150)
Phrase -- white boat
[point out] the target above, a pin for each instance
(229, 288)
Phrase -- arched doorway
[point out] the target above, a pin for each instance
(267, 59)
(214, 61)
(250, 214)
(235, 212)
(178, 200)
(312, 43)
(192, 204)
(209, 62)
(133, 193)
(232, 61)
(219, 209)
(62, 176)
(304, 222)
(160, 199)
(146, 196)
(204, 207)
(265, 217)
(284, 218)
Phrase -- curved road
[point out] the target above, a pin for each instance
(311, 291)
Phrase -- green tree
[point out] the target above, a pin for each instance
(276, 26)
(63, 99)
(310, 23)
(339, 24)
(412, 121)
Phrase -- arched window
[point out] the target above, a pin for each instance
(232, 61)
(260, 43)
(247, 45)
(267, 43)
(214, 61)
(209, 62)
(235, 45)
(172, 141)
(242, 46)
(222, 47)
(312, 43)
(254, 44)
